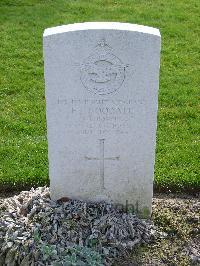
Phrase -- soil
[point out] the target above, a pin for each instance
(178, 216)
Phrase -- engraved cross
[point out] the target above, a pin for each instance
(102, 159)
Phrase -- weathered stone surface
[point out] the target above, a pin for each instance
(101, 92)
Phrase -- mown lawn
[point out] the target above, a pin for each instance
(23, 151)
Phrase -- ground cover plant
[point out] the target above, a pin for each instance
(35, 230)
(23, 151)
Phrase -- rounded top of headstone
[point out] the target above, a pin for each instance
(101, 26)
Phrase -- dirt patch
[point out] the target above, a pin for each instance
(178, 216)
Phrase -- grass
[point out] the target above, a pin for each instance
(23, 151)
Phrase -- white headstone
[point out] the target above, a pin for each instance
(101, 98)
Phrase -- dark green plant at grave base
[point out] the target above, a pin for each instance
(74, 256)
(71, 256)
(23, 150)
